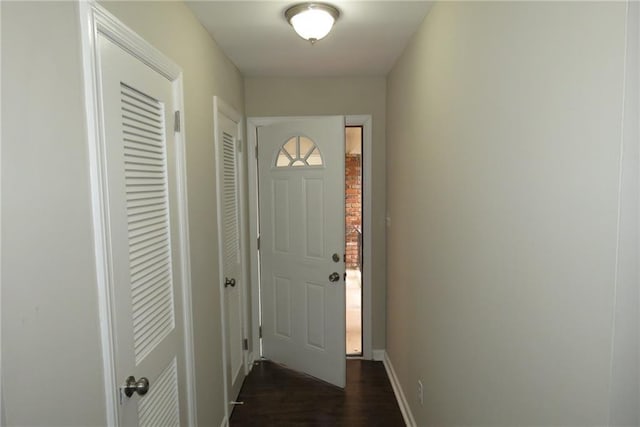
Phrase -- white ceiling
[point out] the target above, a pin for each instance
(365, 41)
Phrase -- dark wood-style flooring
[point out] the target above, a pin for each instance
(276, 396)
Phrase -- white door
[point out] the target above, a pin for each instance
(227, 146)
(138, 113)
(301, 196)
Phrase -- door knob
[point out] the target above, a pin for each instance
(334, 277)
(141, 386)
(229, 282)
(335, 258)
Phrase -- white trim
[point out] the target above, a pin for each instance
(223, 320)
(96, 20)
(378, 355)
(397, 390)
(99, 211)
(250, 361)
(220, 107)
(225, 422)
(366, 122)
(185, 256)
(109, 26)
(254, 262)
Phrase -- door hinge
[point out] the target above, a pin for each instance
(260, 331)
(176, 126)
(258, 242)
(256, 150)
(239, 145)
(245, 344)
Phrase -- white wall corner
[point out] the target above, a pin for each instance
(379, 355)
(397, 390)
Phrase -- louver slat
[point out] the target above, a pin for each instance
(149, 236)
(160, 406)
(230, 202)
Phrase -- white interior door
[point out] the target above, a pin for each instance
(138, 114)
(227, 146)
(301, 199)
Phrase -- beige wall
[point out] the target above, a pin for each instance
(51, 358)
(337, 96)
(503, 163)
(52, 374)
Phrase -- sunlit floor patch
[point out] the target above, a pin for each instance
(354, 312)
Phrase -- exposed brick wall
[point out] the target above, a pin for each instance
(353, 183)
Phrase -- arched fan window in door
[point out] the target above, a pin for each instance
(299, 151)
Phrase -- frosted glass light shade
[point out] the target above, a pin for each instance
(312, 21)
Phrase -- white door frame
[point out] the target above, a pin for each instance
(220, 107)
(355, 120)
(95, 20)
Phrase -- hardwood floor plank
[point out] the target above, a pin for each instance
(274, 395)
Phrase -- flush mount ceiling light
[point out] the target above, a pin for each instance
(312, 21)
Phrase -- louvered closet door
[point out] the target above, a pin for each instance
(138, 116)
(231, 267)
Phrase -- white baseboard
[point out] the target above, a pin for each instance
(378, 355)
(397, 390)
